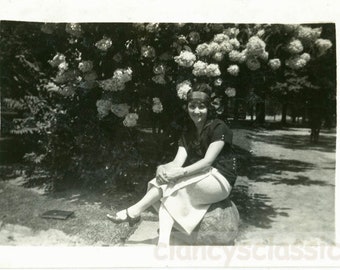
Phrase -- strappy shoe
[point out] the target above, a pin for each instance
(129, 219)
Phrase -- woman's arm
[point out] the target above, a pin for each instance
(179, 159)
(212, 152)
(178, 162)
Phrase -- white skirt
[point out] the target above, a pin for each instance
(188, 199)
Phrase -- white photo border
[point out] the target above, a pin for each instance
(197, 11)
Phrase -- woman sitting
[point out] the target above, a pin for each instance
(202, 172)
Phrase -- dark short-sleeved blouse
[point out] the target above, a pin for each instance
(214, 130)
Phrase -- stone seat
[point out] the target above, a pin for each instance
(219, 226)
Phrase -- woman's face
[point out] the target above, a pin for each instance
(198, 111)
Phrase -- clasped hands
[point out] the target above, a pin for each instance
(165, 174)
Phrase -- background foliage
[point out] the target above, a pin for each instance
(85, 93)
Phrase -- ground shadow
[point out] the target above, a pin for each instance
(301, 180)
(270, 170)
(326, 143)
(262, 165)
(255, 209)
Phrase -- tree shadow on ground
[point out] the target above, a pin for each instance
(301, 180)
(270, 170)
(326, 143)
(262, 165)
(255, 209)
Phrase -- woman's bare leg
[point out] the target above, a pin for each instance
(166, 223)
(153, 195)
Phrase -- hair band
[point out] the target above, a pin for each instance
(198, 95)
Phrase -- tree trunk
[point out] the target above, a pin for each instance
(252, 113)
(284, 113)
(236, 106)
(260, 112)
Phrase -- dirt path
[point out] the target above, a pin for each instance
(291, 191)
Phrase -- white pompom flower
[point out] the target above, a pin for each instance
(236, 56)
(305, 56)
(157, 106)
(230, 92)
(213, 70)
(225, 47)
(203, 50)
(264, 56)
(296, 62)
(200, 68)
(218, 82)
(104, 44)
(185, 59)
(148, 51)
(233, 70)
(295, 47)
(103, 107)
(73, 29)
(255, 46)
(130, 120)
(274, 64)
(235, 43)
(183, 88)
(219, 38)
(213, 47)
(323, 45)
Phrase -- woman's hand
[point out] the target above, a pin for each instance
(161, 176)
(173, 174)
(165, 174)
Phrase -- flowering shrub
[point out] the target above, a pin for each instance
(113, 79)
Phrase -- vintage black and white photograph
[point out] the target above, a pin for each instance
(167, 134)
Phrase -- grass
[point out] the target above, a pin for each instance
(89, 225)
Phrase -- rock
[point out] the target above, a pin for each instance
(219, 226)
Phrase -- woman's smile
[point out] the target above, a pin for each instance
(198, 111)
